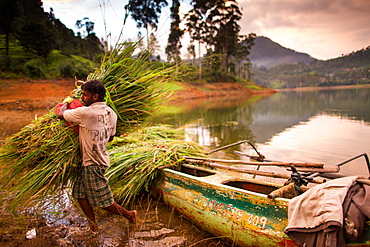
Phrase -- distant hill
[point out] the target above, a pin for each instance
(352, 61)
(268, 53)
(351, 69)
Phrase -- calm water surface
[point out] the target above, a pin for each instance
(327, 126)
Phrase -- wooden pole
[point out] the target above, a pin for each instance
(326, 169)
(257, 172)
(270, 163)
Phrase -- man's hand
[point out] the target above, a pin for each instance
(62, 109)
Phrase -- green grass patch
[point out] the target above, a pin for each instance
(62, 65)
(173, 86)
(254, 87)
(20, 64)
(15, 50)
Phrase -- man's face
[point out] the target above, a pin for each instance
(88, 98)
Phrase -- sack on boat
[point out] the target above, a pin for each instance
(329, 214)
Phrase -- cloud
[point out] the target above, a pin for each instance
(322, 28)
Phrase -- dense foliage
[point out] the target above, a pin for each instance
(56, 65)
(24, 24)
(351, 69)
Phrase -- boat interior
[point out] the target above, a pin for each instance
(229, 179)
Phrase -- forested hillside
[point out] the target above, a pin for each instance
(268, 53)
(36, 44)
(351, 69)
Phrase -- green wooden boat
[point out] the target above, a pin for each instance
(228, 204)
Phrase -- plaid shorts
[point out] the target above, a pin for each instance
(93, 186)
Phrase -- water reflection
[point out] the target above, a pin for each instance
(326, 126)
(323, 138)
(214, 122)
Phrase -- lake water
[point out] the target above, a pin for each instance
(327, 126)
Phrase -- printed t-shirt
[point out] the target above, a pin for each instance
(97, 124)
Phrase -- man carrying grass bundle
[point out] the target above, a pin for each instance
(97, 126)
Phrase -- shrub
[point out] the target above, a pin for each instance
(35, 68)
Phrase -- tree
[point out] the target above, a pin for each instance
(38, 37)
(146, 12)
(200, 23)
(196, 28)
(9, 12)
(191, 51)
(226, 17)
(36, 32)
(153, 43)
(93, 46)
(174, 43)
(243, 63)
(66, 42)
(214, 23)
(89, 25)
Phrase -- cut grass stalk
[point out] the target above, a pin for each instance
(134, 166)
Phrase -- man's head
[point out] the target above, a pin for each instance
(92, 91)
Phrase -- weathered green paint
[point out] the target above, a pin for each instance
(244, 217)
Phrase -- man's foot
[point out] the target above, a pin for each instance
(132, 219)
(93, 227)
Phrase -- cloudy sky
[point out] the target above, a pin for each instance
(322, 28)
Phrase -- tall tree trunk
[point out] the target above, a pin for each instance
(199, 62)
(7, 44)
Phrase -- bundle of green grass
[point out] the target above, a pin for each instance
(43, 157)
(135, 159)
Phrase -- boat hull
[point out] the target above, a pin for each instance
(240, 216)
(245, 218)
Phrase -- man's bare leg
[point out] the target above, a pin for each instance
(117, 209)
(89, 212)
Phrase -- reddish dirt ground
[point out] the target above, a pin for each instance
(33, 94)
(36, 94)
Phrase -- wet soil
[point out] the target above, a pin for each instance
(61, 224)
(21, 94)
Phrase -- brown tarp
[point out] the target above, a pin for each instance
(329, 214)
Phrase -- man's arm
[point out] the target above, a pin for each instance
(62, 109)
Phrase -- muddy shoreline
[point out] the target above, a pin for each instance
(18, 94)
(26, 94)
